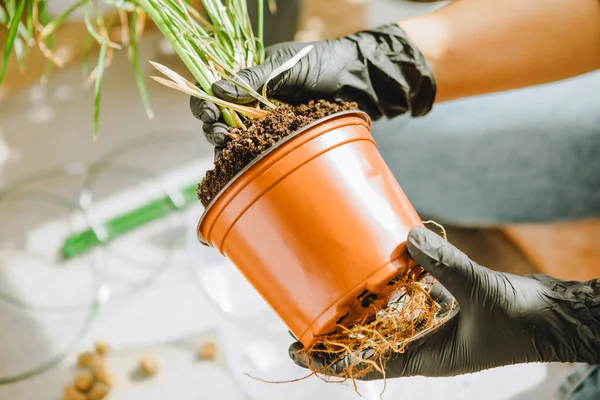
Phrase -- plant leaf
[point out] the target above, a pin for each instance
(211, 48)
(125, 31)
(175, 77)
(97, 87)
(10, 39)
(51, 26)
(29, 17)
(92, 31)
(20, 51)
(261, 30)
(44, 18)
(3, 16)
(289, 64)
(247, 89)
(139, 74)
(110, 53)
(86, 55)
(194, 91)
(11, 6)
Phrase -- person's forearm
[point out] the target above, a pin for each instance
(483, 46)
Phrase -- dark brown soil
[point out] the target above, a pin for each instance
(248, 144)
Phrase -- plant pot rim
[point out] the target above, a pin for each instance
(356, 113)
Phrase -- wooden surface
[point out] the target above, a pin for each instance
(326, 19)
(566, 250)
(492, 249)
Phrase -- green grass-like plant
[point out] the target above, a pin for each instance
(213, 46)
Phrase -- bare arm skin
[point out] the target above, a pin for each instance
(483, 46)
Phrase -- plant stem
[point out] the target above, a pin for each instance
(201, 78)
(98, 85)
(139, 74)
(261, 29)
(10, 41)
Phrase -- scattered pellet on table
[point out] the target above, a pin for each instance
(84, 381)
(103, 376)
(102, 348)
(98, 391)
(70, 393)
(149, 365)
(88, 359)
(208, 351)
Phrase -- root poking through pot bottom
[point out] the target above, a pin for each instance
(418, 306)
(260, 135)
(364, 349)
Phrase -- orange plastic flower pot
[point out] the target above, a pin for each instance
(317, 224)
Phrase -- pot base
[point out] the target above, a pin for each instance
(363, 302)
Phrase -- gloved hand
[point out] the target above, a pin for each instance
(380, 69)
(504, 319)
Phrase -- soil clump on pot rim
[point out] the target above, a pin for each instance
(247, 144)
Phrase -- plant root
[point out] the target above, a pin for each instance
(363, 350)
(353, 353)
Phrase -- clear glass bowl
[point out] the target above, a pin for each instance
(255, 340)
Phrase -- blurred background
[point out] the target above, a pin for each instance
(155, 290)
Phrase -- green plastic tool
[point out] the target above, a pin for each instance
(79, 243)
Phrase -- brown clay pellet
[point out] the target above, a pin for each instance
(208, 351)
(103, 376)
(84, 381)
(98, 391)
(70, 393)
(149, 365)
(102, 348)
(86, 359)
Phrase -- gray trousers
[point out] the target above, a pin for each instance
(529, 155)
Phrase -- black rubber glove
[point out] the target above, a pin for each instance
(504, 319)
(380, 69)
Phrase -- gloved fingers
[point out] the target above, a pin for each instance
(441, 295)
(297, 84)
(205, 111)
(218, 153)
(435, 354)
(285, 48)
(254, 77)
(335, 366)
(362, 100)
(452, 268)
(430, 355)
(216, 133)
(297, 357)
